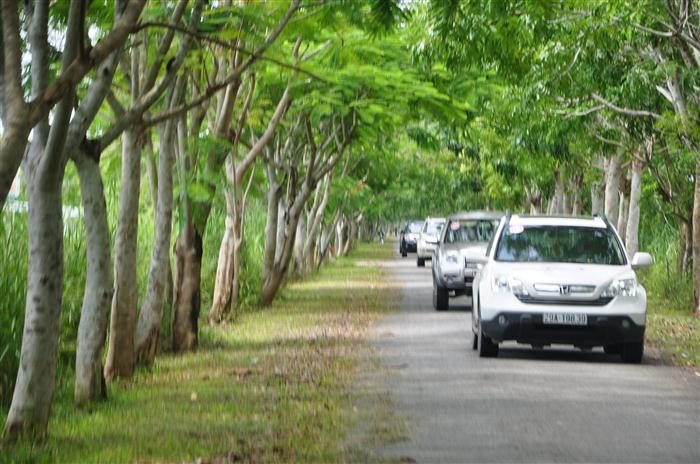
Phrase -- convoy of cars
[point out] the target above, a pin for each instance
(537, 280)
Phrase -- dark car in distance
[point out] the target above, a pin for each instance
(409, 237)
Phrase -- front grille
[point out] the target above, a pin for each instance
(468, 279)
(602, 301)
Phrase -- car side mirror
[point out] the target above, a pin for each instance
(642, 260)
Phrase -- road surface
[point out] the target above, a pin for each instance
(553, 405)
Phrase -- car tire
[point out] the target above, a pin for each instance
(475, 341)
(441, 298)
(632, 353)
(614, 348)
(487, 347)
(420, 262)
(403, 251)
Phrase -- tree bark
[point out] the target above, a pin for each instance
(31, 402)
(577, 202)
(696, 236)
(99, 285)
(621, 223)
(188, 259)
(612, 188)
(121, 354)
(151, 316)
(632, 232)
(597, 198)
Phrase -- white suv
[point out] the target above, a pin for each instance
(428, 239)
(561, 280)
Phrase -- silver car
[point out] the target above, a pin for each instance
(428, 239)
(462, 246)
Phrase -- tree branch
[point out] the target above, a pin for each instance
(625, 111)
(40, 106)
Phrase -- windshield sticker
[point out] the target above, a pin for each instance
(515, 229)
(454, 225)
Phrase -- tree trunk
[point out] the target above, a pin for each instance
(597, 199)
(299, 245)
(31, 401)
(612, 188)
(577, 203)
(227, 284)
(696, 236)
(99, 285)
(151, 316)
(188, 267)
(622, 217)
(120, 355)
(559, 193)
(632, 232)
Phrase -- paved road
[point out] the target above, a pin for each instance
(554, 405)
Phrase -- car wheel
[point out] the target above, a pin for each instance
(632, 352)
(441, 298)
(487, 347)
(420, 262)
(612, 349)
(475, 341)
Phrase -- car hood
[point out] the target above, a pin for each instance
(466, 249)
(536, 276)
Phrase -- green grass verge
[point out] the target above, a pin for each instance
(277, 386)
(676, 333)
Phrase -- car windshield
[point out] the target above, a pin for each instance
(470, 231)
(559, 244)
(433, 227)
(414, 227)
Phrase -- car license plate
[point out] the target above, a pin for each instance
(564, 319)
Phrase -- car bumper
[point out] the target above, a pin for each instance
(617, 321)
(458, 279)
(528, 328)
(426, 250)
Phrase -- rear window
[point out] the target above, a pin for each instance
(414, 227)
(433, 227)
(470, 231)
(559, 244)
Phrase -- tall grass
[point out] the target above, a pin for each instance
(13, 271)
(13, 285)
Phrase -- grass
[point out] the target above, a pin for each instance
(277, 386)
(672, 328)
(676, 333)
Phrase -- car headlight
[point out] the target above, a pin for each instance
(452, 258)
(621, 287)
(508, 285)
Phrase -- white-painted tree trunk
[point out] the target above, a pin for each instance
(99, 285)
(632, 232)
(612, 188)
